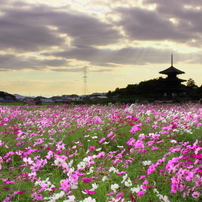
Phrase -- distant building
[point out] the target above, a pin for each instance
(47, 100)
(171, 85)
(98, 96)
(57, 99)
(28, 99)
(72, 97)
(101, 97)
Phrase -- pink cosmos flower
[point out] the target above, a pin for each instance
(89, 192)
(110, 134)
(20, 192)
(120, 194)
(135, 128)
(131, 141)
(145, 182)
(150, 186)
(65, 185)
(196, 194)
(144, 187)
(1, 161)
(174, 185)
(91, 148)
(132, 198)
(101, 155)
(102, 140)
(121, 172)
(52, 189)
(142, 176)
(10, 182)
(198, 156)
(86, 179)
(110, 194)
(151, 169)
(139, 144)
(141, 193)
(154, 148)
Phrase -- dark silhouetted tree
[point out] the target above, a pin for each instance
(191, 83)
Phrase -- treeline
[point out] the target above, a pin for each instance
(149, 90)
(6, 96)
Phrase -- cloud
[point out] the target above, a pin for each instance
(85, 30)
(102, 70)
(186, 14)
(4, 2)
(194, 59)
(6, 58)
(112, 58)
(68, 70)
(173, 5)
(38, 27)
(102, 64)
(149, 25)
(11, 62)
(62, 36)
(26, 37)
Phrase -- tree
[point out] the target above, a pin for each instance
(191, 83)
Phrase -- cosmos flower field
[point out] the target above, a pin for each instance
(95, 153)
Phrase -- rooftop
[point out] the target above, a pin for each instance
(171, 70)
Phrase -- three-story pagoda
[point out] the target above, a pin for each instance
(171, 85)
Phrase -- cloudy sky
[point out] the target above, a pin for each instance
(45, 44)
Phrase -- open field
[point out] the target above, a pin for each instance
(97, 153)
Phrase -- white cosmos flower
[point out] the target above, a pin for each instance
(91, 170)
(114, 187)
(141, 135)
(112, 169)
(55, 196)
(89, 199)
(59, 161)
(146, 163)
(95, 186)
(28, 160)
(164, 198)
(81, 165)
(128, 183)
(70, 163)
(87, 159)
(173, 141)
(124, 178)
(135, 189)
(161, 197)
(71, 199)
(104, 178)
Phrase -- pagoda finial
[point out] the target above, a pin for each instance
(171, 60)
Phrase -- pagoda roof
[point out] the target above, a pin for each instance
(171, 70)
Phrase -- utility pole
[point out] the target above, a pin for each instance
(85, 72)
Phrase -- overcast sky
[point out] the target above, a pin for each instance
(45, 44)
